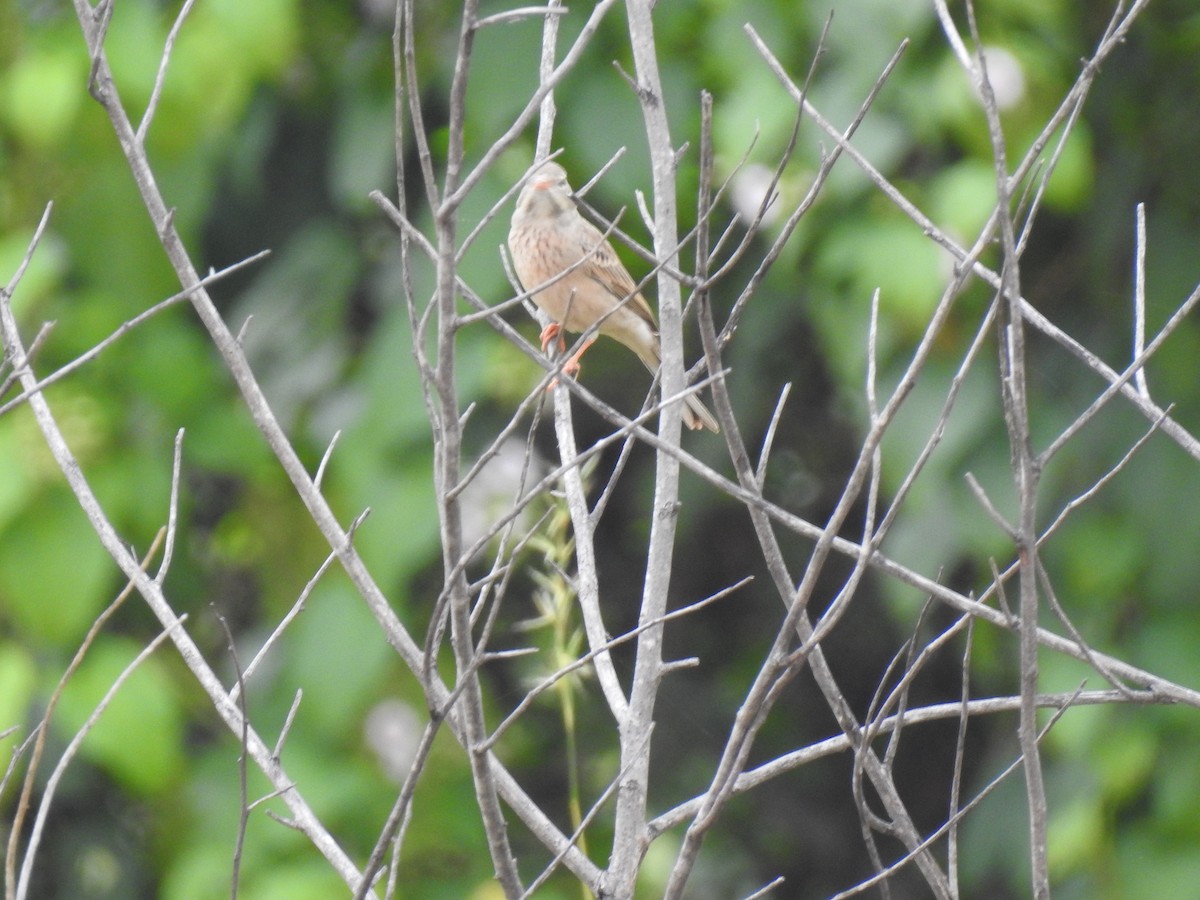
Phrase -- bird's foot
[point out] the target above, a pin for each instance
(571, 367)
(549, 333)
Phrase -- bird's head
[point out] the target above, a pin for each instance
(546, 192)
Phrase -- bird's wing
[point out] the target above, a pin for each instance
(606, 268)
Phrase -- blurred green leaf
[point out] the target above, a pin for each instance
(1126, 759)
(54, 575)
(298, 880)
(138, 738)
(45, 267)
(363, 157)
(198, 870)
(962, 197)
(18, 677)
(16, 481)
(891, 254)
(1071, 184)
(1075, 835)
(1149, 866)
(338, 657)
(41, 95)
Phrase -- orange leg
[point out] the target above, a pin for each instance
(549, 333)
(571, 366)
(552, 333)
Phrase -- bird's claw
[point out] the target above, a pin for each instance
(549, 333)
(570, 368)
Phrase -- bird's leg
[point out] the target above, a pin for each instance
(552, 333)
(571, 366)
(549, 333)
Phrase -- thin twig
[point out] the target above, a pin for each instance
(39, 737)
(1026, 474)
(393, 828)
(68, 755)
(1139, 300)
(549, 682)
(842, 743)
(127, 326)
(1031, 315)
(239, 842)
(172, 510)
(160, 77)
(960, 756)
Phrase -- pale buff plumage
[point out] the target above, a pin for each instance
(547, 238)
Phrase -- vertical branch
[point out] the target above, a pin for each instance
(545, 76)
(955, 809)
(405, 13)
(1011, 332)
(447, 463)
(583, 524)
(1139, 301)
(796, 599)
(583, 527)
(629, 839)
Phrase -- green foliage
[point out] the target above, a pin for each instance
(275, 122)
(53, 573)
(42, 96)
(18, 680)
(138, 738)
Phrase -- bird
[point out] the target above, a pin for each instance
(549, 237)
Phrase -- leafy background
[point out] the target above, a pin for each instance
(276, 121)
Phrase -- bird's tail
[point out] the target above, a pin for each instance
(695, 413)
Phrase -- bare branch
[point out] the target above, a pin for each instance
(1139, 300)
(127, 326)
(1029, 313)
(39, 737)
(161, 76)
(68, 754)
